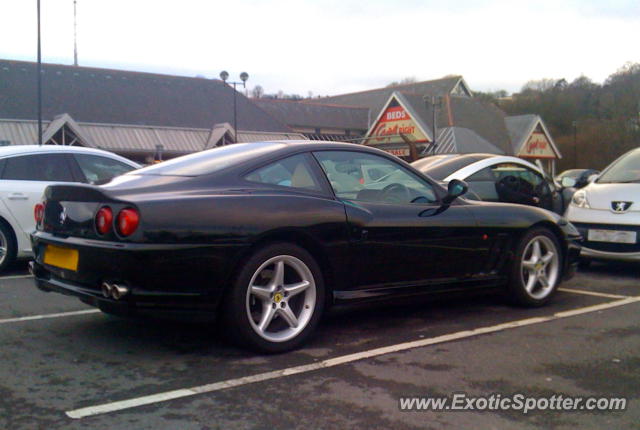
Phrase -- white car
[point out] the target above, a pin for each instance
(498, 178)
(26, 170)
(607, 211)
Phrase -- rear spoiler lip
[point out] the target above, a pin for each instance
(77, 193)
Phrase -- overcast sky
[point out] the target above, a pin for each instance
(335, 46)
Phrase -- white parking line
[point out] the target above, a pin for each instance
(2, 278)
(592, 293)
(47, 316)
(230, 383)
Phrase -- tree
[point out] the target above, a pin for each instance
(539, 85)
(257, 92)
(605, 118)
(403, 81)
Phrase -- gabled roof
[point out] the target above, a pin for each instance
(124, 97)
(316, 115)
(417, 111)
(375, 99)
(484, 119)
(61, 121)
(458, 140)
(521, 127)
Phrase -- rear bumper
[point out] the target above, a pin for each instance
(186, 281)
(170, 306)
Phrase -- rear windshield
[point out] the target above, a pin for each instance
(210, 161)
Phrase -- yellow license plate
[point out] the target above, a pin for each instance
(65, 258)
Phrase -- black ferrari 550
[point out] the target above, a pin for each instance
(267, 235)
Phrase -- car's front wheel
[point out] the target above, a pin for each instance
(277, 299)
(536, 270)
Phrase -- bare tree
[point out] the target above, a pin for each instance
(403, 81)
(257, 92)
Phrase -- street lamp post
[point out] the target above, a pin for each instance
(224, 75)
(575, 143)
(39, 71)
(436, 103)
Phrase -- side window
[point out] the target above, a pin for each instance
(291, 172)
(367, 177)
(483, 184)
(38, 167)
(519, 184)
(98, 169)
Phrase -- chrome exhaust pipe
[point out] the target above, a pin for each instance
(118, 291)
(106, 289)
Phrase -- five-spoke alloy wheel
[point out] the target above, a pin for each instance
(536, 268)
(281, 298)
(277, 299)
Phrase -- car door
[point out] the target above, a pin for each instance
(24, 179)
(400, 233)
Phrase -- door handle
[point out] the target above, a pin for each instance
(18, 196)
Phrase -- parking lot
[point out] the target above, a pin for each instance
(65, 365)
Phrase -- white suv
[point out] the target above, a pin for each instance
(26, 170)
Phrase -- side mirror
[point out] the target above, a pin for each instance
(455, 189)
(568, 182)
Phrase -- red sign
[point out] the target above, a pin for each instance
(395, 121)
(538, 146)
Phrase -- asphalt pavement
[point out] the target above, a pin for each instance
(64, 365)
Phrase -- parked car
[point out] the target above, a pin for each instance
(498, 178)
(576, 178)
(266, 235)
(607, 211)
(26, 170)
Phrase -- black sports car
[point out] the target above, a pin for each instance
(267, 235)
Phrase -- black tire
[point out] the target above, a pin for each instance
(8, 246)
(528, 273)
(242, 311)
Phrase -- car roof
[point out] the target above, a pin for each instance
(445, 164)
(8, 151)
(489, 161)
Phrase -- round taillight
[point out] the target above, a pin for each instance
(38, 212)
(127, 222)
(104, 219)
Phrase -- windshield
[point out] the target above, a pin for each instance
(625, 169)
(212, 160)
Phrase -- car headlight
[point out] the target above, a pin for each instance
(580, 199)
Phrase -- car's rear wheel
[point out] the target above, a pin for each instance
(277, 299)
(536, 270)
(8, 247)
